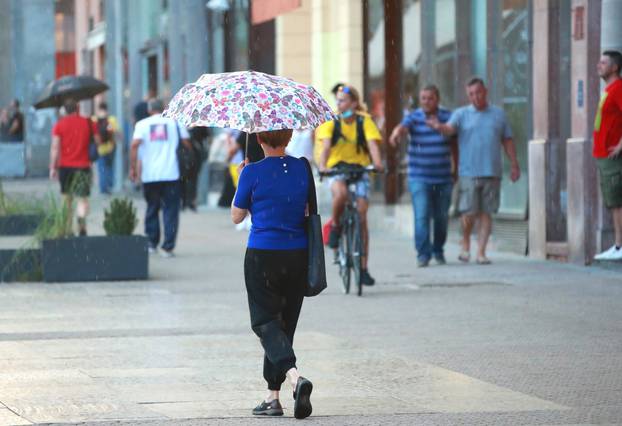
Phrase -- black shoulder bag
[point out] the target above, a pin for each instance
(316, 281)
(93, 154)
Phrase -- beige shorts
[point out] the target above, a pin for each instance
(479, 195)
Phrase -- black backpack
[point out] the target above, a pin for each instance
(361, 142)
(102, 129)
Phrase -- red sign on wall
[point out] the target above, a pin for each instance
(579, 23)
(264, 10)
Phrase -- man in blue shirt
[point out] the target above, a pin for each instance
(482, 131)
(430, 175)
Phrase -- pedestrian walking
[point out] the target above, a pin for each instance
(608, 145)
(141, 109)
(275, 190)
(4, 124)
(482, 131)
(190, 179)
(158, 138)
(70, 163)
(108, 129)
(15, 127)
(235, 155)
(431, 173)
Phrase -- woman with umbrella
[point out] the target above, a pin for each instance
(275, 191)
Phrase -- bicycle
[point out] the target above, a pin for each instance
(350, 251)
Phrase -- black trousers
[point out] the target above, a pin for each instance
(275, 283)
(189, 189)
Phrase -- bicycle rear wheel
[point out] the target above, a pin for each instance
(356, 252)
(343, 258)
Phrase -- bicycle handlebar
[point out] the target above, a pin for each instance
(351, 170)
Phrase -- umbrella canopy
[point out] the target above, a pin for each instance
(249, 101)
(78, 87)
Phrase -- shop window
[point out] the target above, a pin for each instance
(444, 68)
(515, 84)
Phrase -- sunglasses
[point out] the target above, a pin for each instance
(345, 89)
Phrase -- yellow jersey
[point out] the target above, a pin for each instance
(345, 148)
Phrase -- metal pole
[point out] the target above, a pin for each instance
(117, 88)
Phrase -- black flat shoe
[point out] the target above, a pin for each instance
(302, 398)
(272, 408)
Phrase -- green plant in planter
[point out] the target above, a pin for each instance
(120, 218)
(56, 221)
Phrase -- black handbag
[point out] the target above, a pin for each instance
(316, 281)
(93, 154)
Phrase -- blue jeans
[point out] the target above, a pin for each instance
(104, 169)
(167, 196)
(430, 202)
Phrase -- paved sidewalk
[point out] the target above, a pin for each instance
(518, 342)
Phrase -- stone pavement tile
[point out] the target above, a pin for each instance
(205, 410)
(7, 417)
(45, 403)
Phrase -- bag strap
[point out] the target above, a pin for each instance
(178, 134)
(89, 122)
(361, 140)
(336, 132)
(312, 198)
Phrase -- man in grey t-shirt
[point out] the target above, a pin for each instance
(482, 131)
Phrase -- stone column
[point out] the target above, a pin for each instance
(546, 150)
(583, 192)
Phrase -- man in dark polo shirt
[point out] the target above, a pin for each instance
(70, 163)
(608, 145)
(430, 174)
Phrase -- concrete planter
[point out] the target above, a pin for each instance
(12, 159)
(20, 265)
(19, 224)
(113, 258)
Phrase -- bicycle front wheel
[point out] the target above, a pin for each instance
(343, 257)
(356, 252)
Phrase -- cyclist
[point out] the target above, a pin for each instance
(352, 139)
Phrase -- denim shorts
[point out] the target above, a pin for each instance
(362, 185)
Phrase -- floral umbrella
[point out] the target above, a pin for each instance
(249, 101)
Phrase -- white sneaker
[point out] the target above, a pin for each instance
(167, 254)
(611, 254)
(153, 250)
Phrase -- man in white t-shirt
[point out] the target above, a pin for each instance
(158, 138)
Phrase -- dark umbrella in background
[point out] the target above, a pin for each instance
(77, 87)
